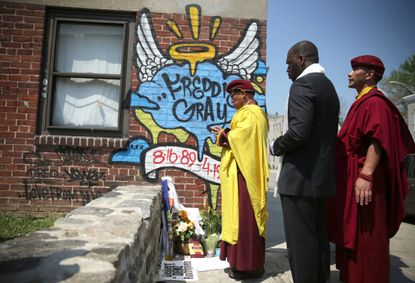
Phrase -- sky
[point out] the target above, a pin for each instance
(341, 30)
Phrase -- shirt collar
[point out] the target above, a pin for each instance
(364, 91)
(313, 68)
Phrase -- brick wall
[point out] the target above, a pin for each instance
(21, 28)
(42, 174)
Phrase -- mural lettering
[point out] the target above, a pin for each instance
(42, 172)
(88, 177)
(38, 192)
(195, 87)
(77, 155)
(183, 93)
(184, 158)
(34, 158)
(38, 172)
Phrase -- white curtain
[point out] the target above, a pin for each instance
(88, 103)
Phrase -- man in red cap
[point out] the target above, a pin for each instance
(244, 184)
(370, 178)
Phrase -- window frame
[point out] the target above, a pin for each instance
(54, 18)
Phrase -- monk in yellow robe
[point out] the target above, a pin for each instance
(244, 176)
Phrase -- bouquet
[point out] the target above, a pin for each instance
(184, 228)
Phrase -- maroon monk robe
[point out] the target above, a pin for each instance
(249, 253)
(361, 233)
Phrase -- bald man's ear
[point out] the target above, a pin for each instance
(301, 59)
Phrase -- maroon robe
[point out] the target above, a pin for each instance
(249, 253)
(361, 233)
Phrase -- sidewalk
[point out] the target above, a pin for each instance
(402, 261)
(276, 269)
(402, 250)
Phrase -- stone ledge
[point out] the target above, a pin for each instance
(114, 238)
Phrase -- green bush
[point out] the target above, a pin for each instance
(12, 226)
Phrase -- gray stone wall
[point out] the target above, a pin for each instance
(114, 238)
(225, 8)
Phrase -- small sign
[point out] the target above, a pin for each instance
(178, 270)
(196, 249)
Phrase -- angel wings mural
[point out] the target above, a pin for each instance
(182, 91)
(149, 57)
(241, 61)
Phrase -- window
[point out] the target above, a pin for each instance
(87, 73)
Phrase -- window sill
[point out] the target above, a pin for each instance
(81, 141)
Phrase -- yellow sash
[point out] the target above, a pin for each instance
(248, 152)
(364, 91)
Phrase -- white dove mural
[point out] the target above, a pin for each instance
(182, 92)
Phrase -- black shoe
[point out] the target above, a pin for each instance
(242, 275)
(229, 269)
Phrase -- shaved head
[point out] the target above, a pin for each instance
(307, 49)
(299, 57)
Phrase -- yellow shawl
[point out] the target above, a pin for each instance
(364, 91)
(248, 151)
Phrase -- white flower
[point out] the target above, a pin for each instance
(182, 227)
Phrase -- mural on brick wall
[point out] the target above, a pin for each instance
(73, 167)
(183, 92)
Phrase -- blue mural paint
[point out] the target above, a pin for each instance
(133, 152)
(175, 99)
(261, 69)
(186, 89)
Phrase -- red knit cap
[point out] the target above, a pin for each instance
(241, 84)
(369, 61)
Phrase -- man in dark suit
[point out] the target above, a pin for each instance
(307, 174)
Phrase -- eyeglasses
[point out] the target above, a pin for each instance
(237, 91)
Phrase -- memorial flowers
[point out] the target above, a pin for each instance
(212, 223)
(184, 229)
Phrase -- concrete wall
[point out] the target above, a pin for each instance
(112, 239)
(226, 8)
